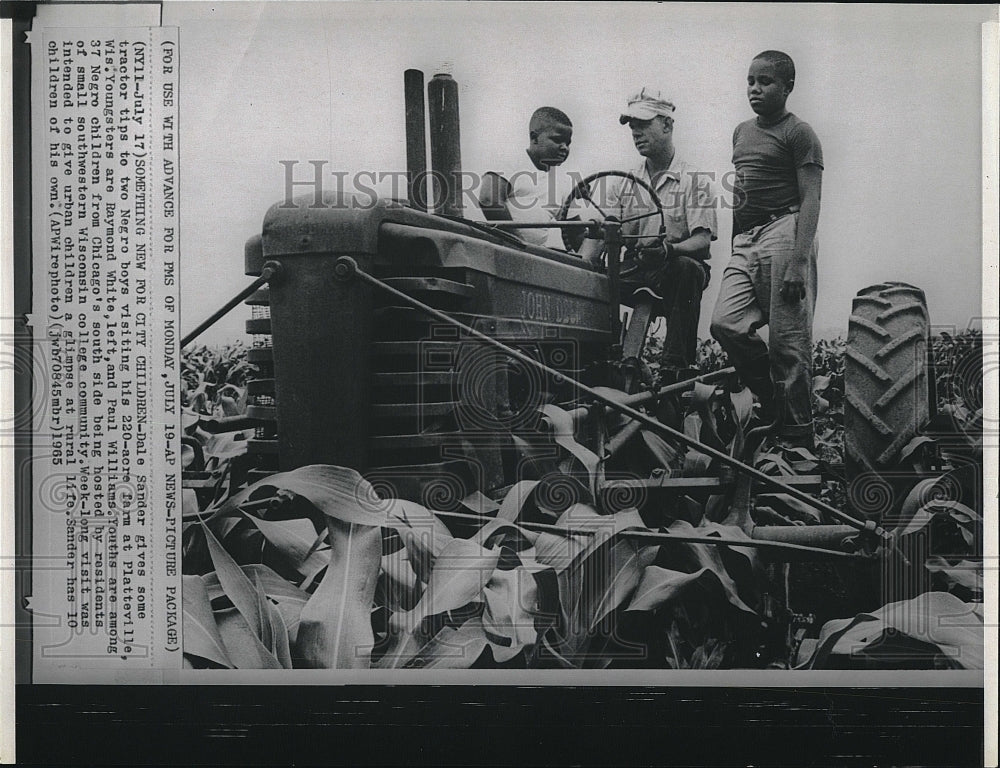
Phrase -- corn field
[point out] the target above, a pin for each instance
(316, 568)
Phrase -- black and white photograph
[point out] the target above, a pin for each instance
(507, 344)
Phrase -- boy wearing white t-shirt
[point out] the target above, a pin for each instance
(532, 191)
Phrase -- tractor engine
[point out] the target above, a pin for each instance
(350, 377)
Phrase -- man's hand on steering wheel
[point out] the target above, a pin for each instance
(582, 191)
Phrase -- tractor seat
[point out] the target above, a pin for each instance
(646, 306)
(637, 293)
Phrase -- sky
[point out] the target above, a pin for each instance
(894, 93)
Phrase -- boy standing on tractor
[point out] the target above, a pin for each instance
(771, 277)
(532, 194)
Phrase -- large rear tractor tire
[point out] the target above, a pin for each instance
(887, 391)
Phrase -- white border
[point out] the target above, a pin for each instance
(991, 411)
(7, 582)
(749, 678)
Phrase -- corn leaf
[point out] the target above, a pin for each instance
(696, 463)
(664, 453)
(563, 431)
(242, 644)
(593, 586)
(598, 579)
(403, 588)
(516, 498)
(511, 606)
(499, 532)
(660, 586)
(774, 463)
(742, 406)
(964, 573)
(243, 594)
(967, 519)
(282, 637)
(189, 502)
(294, 541)
(821, 383)
(275, 632)
(912, 447)
(288, 598)
(238, 588)
(461, 572)
(201, 635)
(951, 629)
(480, 503)
(338, 492)
(226, 445)
(335, 629)
(409, 514)
(274, 584)
(423, 535)
(452, 648)
(623, 571)
(558, 552)
(697, 557)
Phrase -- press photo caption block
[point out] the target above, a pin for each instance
(106, 447)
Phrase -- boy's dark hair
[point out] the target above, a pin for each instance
(783, 65)
(546, 116)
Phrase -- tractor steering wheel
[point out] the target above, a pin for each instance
(582, 191)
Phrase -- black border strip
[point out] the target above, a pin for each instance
(498, 725)
(21, 15)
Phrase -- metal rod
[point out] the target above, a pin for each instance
(654, 536)
(809, 535)
(613, 244)
(756, 542)
(346, 267)
(539, 527)
(640, 216)
(542, 224)
(625, 434)
(640, 398)
(271, 269)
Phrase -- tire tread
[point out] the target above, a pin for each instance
(886, 379)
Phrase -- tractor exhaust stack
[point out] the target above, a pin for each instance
(416, 139)
(446, 152)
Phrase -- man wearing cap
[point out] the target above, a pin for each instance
(672, 262)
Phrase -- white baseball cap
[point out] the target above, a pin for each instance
(646, 104)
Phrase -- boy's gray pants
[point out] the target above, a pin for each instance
(750, 298)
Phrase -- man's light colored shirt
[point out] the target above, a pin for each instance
(685, 193)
